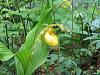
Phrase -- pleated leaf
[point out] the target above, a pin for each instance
(39, 56)
(5, 53)
(33, 53)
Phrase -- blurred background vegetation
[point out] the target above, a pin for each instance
(79, 50)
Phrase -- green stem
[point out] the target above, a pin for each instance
(93, 11)
(25, 31)
(72, 16)
(53, 11)
(6, 32)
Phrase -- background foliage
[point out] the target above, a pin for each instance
(79, 49)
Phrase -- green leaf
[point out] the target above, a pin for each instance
(19, 68)
(92, 38)
(78, 71)
(33, 53)
(22, 59)
(97, 42)
(40, 53)
(34, 33)
(28, 61)
(5, 53)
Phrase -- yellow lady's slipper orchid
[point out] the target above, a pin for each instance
(50, 38)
